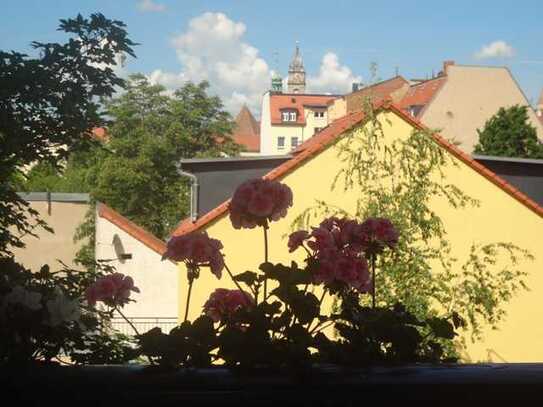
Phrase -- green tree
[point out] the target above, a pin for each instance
(48, 105)
(509, 134)
(136, 172)
(399, 181)
(150, 132)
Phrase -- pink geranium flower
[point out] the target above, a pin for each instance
(259, 201)
(196, 249)
(340, 246)
(223, 303)
(113, 290)
(374, 234)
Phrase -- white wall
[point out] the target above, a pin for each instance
(266, 146)
(156, 279)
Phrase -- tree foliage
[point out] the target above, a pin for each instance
(48, 105)
(136, 170)
(509, 134)
(399, 180)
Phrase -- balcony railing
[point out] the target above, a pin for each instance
(144, 324)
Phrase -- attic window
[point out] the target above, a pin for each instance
(289, 115)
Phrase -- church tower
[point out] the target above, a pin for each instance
(296, 73)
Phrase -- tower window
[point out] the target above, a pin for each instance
(286, 116)
(319, 114)
(292, 116)
(280, 143)
(294, 142)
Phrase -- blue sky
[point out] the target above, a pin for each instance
(235, 44)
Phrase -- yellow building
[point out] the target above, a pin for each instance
(504, 214)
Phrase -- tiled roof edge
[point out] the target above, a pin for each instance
(346, 124)
(137, 232)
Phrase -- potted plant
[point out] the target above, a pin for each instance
(270, 339)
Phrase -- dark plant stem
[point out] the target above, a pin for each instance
(265, 227)
(372, 260)
(320, 305)
(127, 320)
(235, 282)
(191, 280)
(135, 330)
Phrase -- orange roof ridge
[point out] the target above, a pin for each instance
(137, 232)
(317, 143)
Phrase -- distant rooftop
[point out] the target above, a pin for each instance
(54, 197)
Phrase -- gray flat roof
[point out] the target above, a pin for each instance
(507, 159)
(54, 196)
(234, 159)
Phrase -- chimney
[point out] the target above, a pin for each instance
(446, 64)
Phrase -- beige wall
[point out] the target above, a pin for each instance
(337, 109)
(470, 96)
(156, 279)
(49, 248)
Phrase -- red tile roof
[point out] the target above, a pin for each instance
(137, 232)
(317, 143)
(378, 92)
(422, 93)
(294, 101)
(247, 130)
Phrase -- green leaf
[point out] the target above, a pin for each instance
(248, 277)
(441, 328)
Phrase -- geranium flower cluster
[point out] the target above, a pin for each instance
(223, 303)
(196, 249)
(341, 247)
(258, 201)
(375, 234)
(113, 290)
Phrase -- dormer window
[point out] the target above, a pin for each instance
(288, 116)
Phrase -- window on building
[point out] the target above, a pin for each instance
(294, 142)
(319, 115)
(289, 115)
(317, 129)
(280, 143)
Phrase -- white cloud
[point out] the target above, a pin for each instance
(213, 48)
(167, 79)
(495, 49)
(151, 6)
(333, 77)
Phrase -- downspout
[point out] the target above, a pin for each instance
(193, 194)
